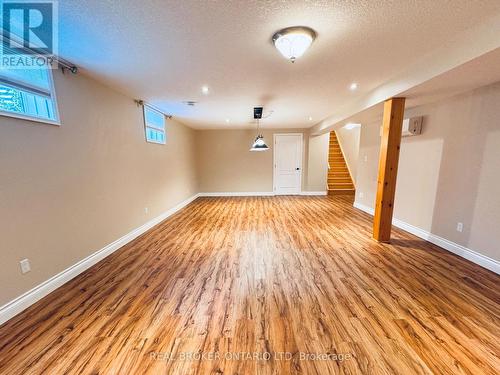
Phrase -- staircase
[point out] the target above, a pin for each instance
(339, 178)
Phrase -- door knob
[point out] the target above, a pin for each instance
(297, 169)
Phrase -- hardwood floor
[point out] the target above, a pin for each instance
(229, 277)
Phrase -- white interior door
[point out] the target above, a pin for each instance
(287, 163)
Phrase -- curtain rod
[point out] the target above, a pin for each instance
(65, 64)
(143, 103)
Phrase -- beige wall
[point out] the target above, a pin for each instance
(349, 143)
(449, 174)
(65, 192)
(225, 163)
(317, 170)
(68, 191)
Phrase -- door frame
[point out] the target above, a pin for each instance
(300, 166)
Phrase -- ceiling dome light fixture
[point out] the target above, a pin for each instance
(293, 42)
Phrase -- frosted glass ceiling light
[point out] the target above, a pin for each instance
(293, 42)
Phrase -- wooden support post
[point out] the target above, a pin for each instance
(388, 168)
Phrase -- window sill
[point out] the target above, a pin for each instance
(30, 118)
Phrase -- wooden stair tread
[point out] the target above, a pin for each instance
(339, 179)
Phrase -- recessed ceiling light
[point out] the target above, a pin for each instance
(310, 118)
(227, 121)
(353, 86)
(351, 126)
(293, 42)
(205, 90)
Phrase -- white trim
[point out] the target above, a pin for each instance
(461, 251)
(14, 307)
(238, 194)
(364, 208)
(42, 120)
(20, 116)
(256, 194)
(301, 162)
(147, 125)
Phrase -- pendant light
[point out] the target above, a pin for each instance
(293, 42)
(259, 144)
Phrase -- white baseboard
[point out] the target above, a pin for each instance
(462, 251)
(256, 194)
(238, 194)
(364, 208)
(14, 307)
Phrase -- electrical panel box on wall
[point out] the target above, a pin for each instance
(412, 126)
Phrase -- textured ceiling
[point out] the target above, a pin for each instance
(479, 72)
(165, 51)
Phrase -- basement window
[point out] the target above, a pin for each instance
(28, 94)
(154, 125)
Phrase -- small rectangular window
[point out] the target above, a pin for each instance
(28, 94)
(154, 125)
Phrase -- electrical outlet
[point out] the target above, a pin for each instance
(25, 265)
(361, 195)
(460, 227)
(146, 210)
(366, 158)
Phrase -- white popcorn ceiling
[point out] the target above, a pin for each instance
(165, 51)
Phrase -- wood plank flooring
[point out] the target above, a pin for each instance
(265, 285)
